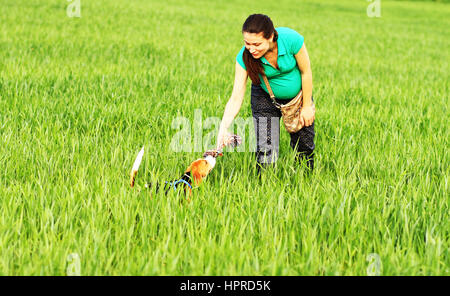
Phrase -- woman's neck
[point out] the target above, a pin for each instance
(273, 48)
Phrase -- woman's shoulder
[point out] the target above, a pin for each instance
(285, 31)
(240, 58)
(292, 40)
(241, 52)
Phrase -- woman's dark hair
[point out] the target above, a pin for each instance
(257, 23)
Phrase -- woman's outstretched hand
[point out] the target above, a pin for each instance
(222, 138)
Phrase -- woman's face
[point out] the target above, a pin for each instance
(256, 44)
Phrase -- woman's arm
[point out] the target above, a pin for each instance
(305, 68)
(234, 103)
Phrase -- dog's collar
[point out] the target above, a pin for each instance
(174, 183)
(181, 181)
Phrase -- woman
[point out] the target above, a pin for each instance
(280, 54)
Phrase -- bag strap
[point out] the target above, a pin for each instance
(272, 96)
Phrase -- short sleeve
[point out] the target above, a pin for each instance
(240, 59)
(296, 41)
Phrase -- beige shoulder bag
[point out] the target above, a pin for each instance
(289, 111)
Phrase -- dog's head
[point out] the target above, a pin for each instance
(200, 168)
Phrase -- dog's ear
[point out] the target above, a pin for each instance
(196, 173)
(200, 169)
(197, 177)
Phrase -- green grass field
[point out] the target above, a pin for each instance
(80, 96)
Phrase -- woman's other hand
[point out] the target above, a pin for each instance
(307, 114)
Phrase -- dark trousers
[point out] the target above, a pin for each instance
(266, 118)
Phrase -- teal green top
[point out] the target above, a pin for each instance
(287, 81)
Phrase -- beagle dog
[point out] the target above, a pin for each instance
(196, 172)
